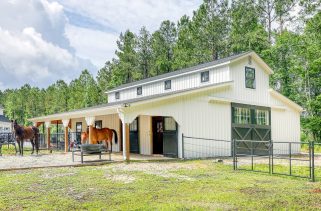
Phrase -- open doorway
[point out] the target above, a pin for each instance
(165, 136)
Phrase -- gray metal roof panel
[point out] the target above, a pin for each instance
(181, 71)
(4, 119)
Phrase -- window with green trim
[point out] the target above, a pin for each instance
(134, 125)
(262, 117)
(170, 124)
(242, 115)
(249, 77)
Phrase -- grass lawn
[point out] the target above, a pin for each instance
(200, 185)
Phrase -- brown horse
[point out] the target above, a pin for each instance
(23, 133)
(100, 135)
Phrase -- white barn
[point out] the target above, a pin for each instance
(5, 123)
(205, 106)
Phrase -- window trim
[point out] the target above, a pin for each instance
(78, 123)
(100, 122)
(253, 109)
(170, 84)
(208, 78)
(254, 82)
(117, 95)
(164, 124)
(141, 91)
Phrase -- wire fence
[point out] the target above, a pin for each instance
(57, 141)
(297, 159)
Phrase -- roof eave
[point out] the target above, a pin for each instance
(286, 100)
(265, 66)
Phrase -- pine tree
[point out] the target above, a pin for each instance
(144, 53)
(163, 43)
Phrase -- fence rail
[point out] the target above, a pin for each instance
(279, 158)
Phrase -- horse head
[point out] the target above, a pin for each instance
(84, 137)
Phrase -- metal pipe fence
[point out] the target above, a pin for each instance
(296, 159)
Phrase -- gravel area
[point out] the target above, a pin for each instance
(60, 159)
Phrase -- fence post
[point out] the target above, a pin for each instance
(290, 159)
(252, 165)
(234, 153)
(270, 153)
(313, 177)
(183, 154)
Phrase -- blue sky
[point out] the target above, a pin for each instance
(42, 41)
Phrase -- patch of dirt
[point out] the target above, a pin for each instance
(121, 178)
(253, 190)
(211, 205)
(71, 192)
(56, 175)
(158, 169)
(316, 190)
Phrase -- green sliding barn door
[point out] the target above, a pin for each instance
(251, 123)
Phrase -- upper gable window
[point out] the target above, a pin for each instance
(139, 90)
(168, 84)
(205, 76)
(117, 95)
(249, 77)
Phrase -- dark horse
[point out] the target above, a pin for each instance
(23, 133)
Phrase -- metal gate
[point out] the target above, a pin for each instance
(280, 158)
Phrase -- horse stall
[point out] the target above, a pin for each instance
(111, 121)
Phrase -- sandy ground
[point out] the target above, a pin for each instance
(62, 159)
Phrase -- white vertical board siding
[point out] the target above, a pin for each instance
(217, 75)
(257, 96)
(145, 135)
(196, 117)
(285, 126)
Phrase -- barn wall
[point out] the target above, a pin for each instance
(145, 135)
(258, 96)
(74, 121)
(196, 117)
(217, 75)
(285, 126)
(5, 127)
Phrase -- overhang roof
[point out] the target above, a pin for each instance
(285, 100)
(111, 108)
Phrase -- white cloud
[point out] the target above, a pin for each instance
(42, 41)
(128, 14)
(33, 45)
(99, 23)
(92, 44)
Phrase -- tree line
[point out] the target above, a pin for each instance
(285, 33)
